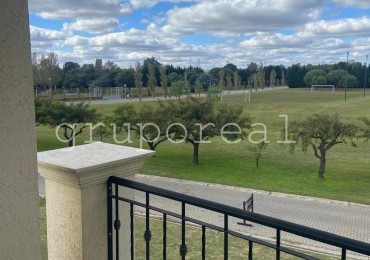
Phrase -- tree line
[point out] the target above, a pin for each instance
(151, 74)
(339, 74)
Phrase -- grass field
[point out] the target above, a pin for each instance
(347, 174)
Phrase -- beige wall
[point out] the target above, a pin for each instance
(19, 209)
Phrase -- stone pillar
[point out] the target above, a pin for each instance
(76, 197)
(19, 201)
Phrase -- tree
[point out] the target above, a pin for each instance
(204, 79)
(295, 75)
(46, 72)
(222, 79)
(164, 82)
(198, 87)
(104, 130)
(138, 79)
(125, 77)
(186, 87)
(145, 70)
(236, 80)
(272, 78)
(42, 110)
(252, 69)
(177, 89)
(111, 70)
(103, 80)
(69, 65)
(282, 77)
(321, 132)
(351, 80)
(335, 77)
(257, 150)
(127, 118)
(53, 72)
(36, 71)
(315, 77)
(87, 74)
(203, 120)
(72, 118)
(214, 93)
(261, 77)
(152, 81)
(173, 76)
(228, 82)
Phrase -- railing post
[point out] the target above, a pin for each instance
(110, 222)
(278, 234)
(79, 211)
(147, 233)
(164, 236)
(226, 237)
(203, 242)
(117, 221)
(183, 247)
(250, 250)
(132, 231)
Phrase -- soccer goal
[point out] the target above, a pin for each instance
(323, 87)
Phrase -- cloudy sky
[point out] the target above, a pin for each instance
(210, 32)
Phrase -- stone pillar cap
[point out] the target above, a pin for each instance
(96, 161)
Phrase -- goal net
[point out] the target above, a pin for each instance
(323, 87)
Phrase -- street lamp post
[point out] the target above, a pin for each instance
(345, 90)
(367, 56)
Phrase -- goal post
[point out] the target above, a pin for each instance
(330, 87)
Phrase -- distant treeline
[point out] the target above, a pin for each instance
(47, 73)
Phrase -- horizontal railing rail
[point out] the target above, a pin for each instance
(344, 243)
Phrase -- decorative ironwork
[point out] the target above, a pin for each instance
(183, 250)
(147, 235)
(345, 244)
(117, 224)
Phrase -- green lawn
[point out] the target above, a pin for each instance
(347, 175)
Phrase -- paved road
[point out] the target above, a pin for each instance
(342, 218)
(146, 99)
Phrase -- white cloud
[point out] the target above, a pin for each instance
(41, 34)
(241, 16)
(247, 30)
(44, 39)
(319, 33)
(71, 9)
(274, 40)
(96, 26)
(362, 4)
(342, 28)
(150, 3)
(95, 16)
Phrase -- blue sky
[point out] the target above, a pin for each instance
(212, 31)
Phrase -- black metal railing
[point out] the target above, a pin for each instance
(345, 244)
